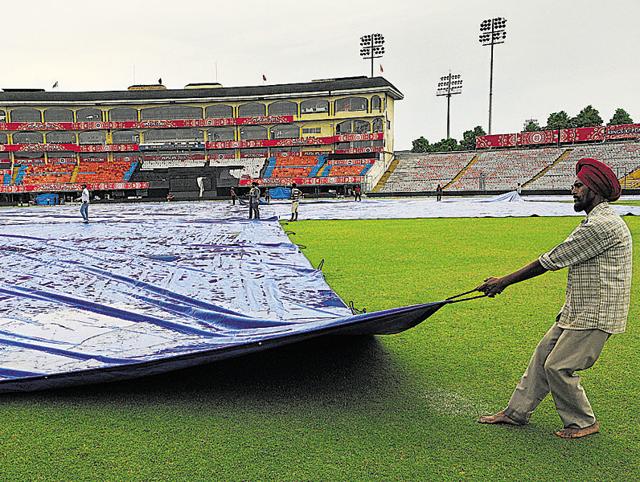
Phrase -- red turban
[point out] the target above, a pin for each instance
(599, 177)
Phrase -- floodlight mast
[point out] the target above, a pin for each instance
(492, 32)
(372, 47)
(449, 85)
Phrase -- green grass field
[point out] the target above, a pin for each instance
(392, 407)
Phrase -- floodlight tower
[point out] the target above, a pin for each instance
(492, 32)
(449, 85)
(371, 47)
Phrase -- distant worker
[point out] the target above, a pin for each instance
(439, 192)
(598, 254)
(234, 195)
(267, 196)
(84, 207)
(296, 194)
(200, 182)
(519, 189)
(254, 201)
(357, 193)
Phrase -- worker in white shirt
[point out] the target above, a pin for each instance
(84, 208)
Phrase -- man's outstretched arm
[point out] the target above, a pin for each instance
(493, 286)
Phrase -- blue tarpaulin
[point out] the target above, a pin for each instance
(47, 199)
(145, 289)
(280, 192)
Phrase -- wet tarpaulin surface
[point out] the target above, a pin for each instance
(150, 288)
(508, 205)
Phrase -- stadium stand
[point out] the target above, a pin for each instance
(503, 170)
(623, 158)
(423, 172)
(6, 176)
(355, 168)
(93, 171)
(54, 171)
(282, 167)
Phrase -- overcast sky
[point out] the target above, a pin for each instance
(559, 55)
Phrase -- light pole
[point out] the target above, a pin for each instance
(449, 85)
(371, 47)
(492, 32)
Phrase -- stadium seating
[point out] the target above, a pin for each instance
(105, 171)
(503, 170)
(284, 166)
(623, 158)
(51, 172)
(349, 170)
(283, 172)
(6, 176)
(423, 172)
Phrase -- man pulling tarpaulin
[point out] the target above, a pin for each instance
(598, 255)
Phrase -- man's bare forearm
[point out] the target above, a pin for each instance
(531, 270)
(494, 286)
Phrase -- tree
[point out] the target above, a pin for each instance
(420, 145)
(532, 126)
(445, 145)
(588, 117)
(558, 120)
(620, 117)
(468, 142)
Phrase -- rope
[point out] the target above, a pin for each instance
(356, 311)
(452, 299)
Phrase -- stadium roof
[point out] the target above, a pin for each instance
(338, 86)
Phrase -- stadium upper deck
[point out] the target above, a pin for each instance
(195, 125)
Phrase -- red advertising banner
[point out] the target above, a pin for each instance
(623, 131)
(565, 136)
(68, 148)
(537, 138)
(66, 187)
(496, 140)
(587, 134)
(296, 141)
(226, 155)
(173, 157)
(303, 181)
(247, 144)
(582, 134)
(359, 150)
(376, 136)
(145, 124)
(350, 162)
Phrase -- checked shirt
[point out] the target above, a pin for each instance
(598, 254)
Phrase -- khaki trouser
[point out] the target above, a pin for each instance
(552, 368)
